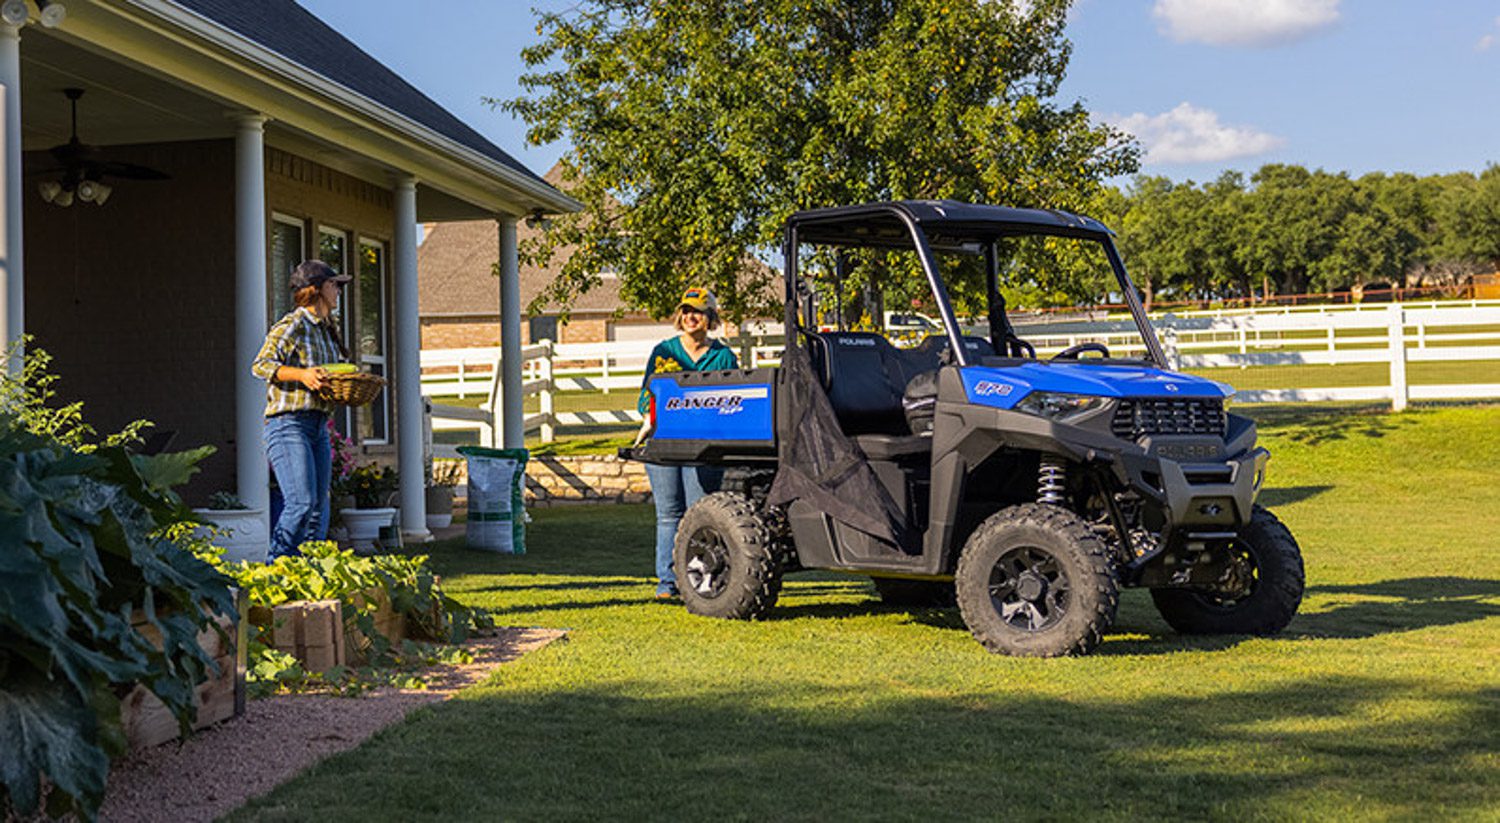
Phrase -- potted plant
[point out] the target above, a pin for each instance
(440, 486)
(242, 531)
(343, 464)
(372, 486)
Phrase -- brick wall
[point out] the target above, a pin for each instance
(135, 299)
(478, 332)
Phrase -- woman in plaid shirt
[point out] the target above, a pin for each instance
(291, 362)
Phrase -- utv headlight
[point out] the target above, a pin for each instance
(1059, 406)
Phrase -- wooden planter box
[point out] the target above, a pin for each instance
(313, 631)
(310, 630)
(146, 719)
(387, 621)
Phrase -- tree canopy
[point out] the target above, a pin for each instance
(1289, 230)
(698, 126)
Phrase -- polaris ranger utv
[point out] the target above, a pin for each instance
(1029, 490)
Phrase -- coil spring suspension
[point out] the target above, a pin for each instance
(1051, 481)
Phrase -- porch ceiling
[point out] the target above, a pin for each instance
(126, 103)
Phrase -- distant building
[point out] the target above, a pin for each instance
(460, 296)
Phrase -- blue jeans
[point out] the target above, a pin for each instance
(297, 445)
(674, 488)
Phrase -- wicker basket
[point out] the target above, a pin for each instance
(351, 388)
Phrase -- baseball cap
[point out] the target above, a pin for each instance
(699, 298)
(315, 273)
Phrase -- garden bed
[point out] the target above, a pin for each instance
(148, 722)
(218, 769)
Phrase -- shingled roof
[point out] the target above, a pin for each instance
(456, 264)
(294, 33)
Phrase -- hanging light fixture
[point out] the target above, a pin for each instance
(50, 12)
(80, 171)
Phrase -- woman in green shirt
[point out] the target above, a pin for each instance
(674, 488)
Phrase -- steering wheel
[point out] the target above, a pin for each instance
(1022, 344)
(1072, 352)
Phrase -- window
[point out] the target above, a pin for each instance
(542, 328)
(370, 308)
(286, 253)
(333, 249)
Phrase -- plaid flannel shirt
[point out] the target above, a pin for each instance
(300, 340)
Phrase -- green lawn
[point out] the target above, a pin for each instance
(1353, 374)
(1381, 701)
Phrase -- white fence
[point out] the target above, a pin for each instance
(1394, 334)
(547, 369)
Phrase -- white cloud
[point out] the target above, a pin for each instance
(1188, 134)
(1488, 40)
(1244, 22)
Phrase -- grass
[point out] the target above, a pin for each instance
(1353, 374)
(1381, 701)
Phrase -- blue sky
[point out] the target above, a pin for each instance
(1206, 85)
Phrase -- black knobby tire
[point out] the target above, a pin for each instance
(726, 561)
(1034, 581)
(1274, 561)
(915, 593)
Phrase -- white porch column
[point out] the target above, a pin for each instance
(408, 382)
(251, 469)
(513, 413)
(13, 292)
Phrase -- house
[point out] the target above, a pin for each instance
(459, 296)
(459, 293)
(230, 140)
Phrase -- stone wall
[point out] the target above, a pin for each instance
(588, 479)
(591, 479)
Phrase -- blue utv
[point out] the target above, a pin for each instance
(967, 469)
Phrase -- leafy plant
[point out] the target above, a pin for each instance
(226, 501)
(370, 484)
(325, 572)
(344, 461)
(29, 400)
(89, 545)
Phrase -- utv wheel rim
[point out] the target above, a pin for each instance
(708, 563)
(1028, 589)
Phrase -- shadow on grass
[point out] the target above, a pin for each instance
(1387, 606)
(1316, 425)
(1360, 611)
(1377, 747)
(1272, 497)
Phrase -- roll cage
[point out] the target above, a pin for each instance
(949, 225)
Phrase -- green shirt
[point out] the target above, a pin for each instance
(300, 340)
(669, 356)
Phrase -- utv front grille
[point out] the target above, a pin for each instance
(1139, 416)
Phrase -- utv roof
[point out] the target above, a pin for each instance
(946, 223)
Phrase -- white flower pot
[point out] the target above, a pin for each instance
(245, 537)
(364, 525)
(439, 521)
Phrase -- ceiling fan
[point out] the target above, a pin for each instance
(80, 172)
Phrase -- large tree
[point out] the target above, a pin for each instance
(698, 126)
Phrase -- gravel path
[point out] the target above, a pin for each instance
(221, 767)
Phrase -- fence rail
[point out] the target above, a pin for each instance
(1466, 332)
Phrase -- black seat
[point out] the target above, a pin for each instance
(864, 377)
